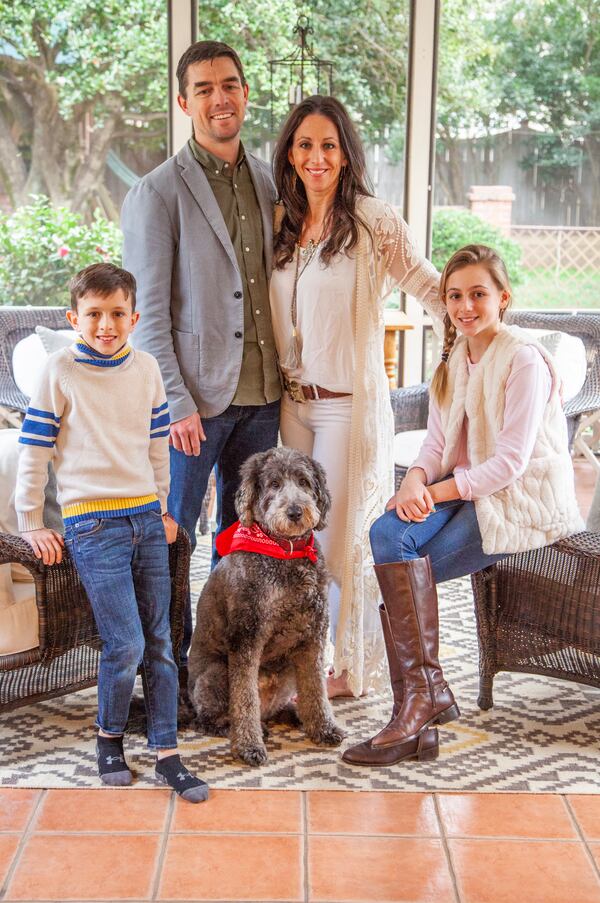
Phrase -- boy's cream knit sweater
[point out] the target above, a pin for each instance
(104, 423)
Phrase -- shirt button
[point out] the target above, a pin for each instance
(235, 184)
(242, 216)
(238, 334)
(252, 281)
(237, 294)
(262, 342)
(226, 165)
(247, 249)
(216, 172)
(258, 311)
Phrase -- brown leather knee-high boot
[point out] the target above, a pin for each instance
(423, 747)
(410, 601)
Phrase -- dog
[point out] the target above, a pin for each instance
(262, 622)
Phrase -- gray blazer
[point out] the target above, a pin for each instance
(189, 289)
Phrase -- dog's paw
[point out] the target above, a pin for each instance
(328, 734)
(253, 755)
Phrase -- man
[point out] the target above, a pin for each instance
(198, 239)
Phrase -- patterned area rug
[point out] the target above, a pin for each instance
(541, 736)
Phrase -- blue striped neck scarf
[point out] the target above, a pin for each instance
(96, 359)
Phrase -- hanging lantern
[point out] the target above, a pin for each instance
(304, 73)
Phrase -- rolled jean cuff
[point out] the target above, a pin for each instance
(110, 733)
(163, 744)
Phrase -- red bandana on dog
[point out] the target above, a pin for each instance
(252, 539)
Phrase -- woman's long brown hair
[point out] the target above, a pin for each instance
(343, 220)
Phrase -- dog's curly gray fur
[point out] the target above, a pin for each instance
(262, 623)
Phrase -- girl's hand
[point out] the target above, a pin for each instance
(413, 500)
(46, 544)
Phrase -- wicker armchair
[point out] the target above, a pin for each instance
(585, 326)
(410, 407)
(539, 612)
(68, 653)
(17, 323)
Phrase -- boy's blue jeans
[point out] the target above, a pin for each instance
(123, 563)
(450, 536)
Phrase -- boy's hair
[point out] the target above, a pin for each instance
(471, 255)
(102, 279)
(199, 53)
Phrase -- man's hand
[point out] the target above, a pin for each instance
(187, 434)
(170, 525)
(413, 500)
(46, 544)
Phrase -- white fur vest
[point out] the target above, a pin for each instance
(540, 506)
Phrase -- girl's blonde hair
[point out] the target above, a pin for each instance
(471, 255)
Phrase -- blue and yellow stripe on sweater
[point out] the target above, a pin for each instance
(109, 508)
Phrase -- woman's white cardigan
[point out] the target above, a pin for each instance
(385, 257)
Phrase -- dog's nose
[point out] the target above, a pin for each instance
(294, 512)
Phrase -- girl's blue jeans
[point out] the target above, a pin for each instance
(123, 564)
(450, 536)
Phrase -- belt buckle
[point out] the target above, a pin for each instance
(294, 390)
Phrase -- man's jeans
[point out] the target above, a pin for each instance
(123, 563)
(231, 437)
(450, 536)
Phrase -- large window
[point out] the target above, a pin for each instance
(366, 42)
(518, 146)
(83, 107)
(518, 140)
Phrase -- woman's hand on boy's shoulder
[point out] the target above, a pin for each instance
(46, 544)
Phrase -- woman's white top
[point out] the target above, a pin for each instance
(325, 319)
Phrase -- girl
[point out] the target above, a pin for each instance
(493, 477)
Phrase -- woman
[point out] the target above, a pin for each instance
(338, 252)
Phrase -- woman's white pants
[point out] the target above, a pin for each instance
(322, 429)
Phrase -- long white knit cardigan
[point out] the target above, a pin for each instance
(385, 257)
(540, 506)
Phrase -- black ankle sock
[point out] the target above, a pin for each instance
(112, 766)
(171, 771)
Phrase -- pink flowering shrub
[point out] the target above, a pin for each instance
(42, 246)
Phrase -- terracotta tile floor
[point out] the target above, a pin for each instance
(108, 845)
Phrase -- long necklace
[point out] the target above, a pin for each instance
(293, 358)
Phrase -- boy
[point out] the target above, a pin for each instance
(100, 413)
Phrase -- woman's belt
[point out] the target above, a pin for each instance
(302, 392)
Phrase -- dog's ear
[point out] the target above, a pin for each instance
(247, 495)
(323, 496)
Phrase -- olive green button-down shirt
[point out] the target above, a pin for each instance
(234, 193)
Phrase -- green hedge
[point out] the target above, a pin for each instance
(453, 229)
(42, 246)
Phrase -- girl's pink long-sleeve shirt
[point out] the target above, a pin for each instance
(528, 389)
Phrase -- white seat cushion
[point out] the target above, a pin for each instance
(19, 629)
(407, 446)
(31, 353)
(569, 356)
